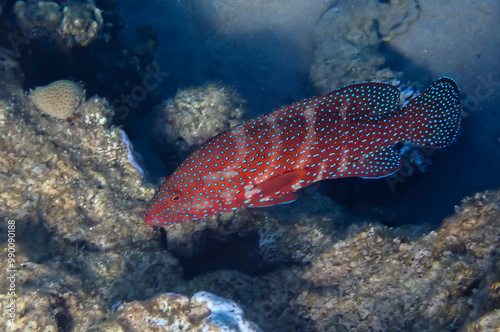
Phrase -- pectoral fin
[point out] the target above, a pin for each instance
(283, 199)
(276, 190)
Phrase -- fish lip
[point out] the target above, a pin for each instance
(147, 219)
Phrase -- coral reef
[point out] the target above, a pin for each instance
(58, 99)
(67, 165)
(84, 260)
(432, 283)
(71, 24)
(38, 19)
(370, 277)
(75, 39)
(81, 21)
(348, 41)
(175, 312)
(194, 115)
(91, 261)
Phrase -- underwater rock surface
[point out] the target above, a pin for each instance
(83, 255)
(51, 169)
(195, 115)
(85, 261)
(175, 312)
(11, 75)
(348, 39)
(71, 24)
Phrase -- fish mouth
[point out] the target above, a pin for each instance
(148, 220)
(152, 220)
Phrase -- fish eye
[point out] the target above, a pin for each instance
(176, 197)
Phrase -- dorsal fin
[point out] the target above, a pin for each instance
(368, 101)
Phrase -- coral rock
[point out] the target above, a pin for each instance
(71, 24)
(58, 99)
(175, 312)
(197, 114)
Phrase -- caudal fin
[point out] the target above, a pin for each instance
(432, 119)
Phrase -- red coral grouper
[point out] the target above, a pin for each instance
(351, 131)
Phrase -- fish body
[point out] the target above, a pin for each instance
(349, 132)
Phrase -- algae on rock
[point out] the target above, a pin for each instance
(52, 169)
(175, 312)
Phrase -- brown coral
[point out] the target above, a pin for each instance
(58, 99)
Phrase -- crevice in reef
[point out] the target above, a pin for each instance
(62, 316)
(236, 251)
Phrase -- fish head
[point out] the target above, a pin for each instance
(188, 196)
(174, 202)
(168, 206)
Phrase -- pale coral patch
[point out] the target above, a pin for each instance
(58, 99)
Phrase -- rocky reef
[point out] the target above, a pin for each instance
(76, 255)
(11, 75)
(79, 40)
(174, 312)
(434, 283)
(194, 115)
(74, 23)
(85, 261)
(348, 39)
